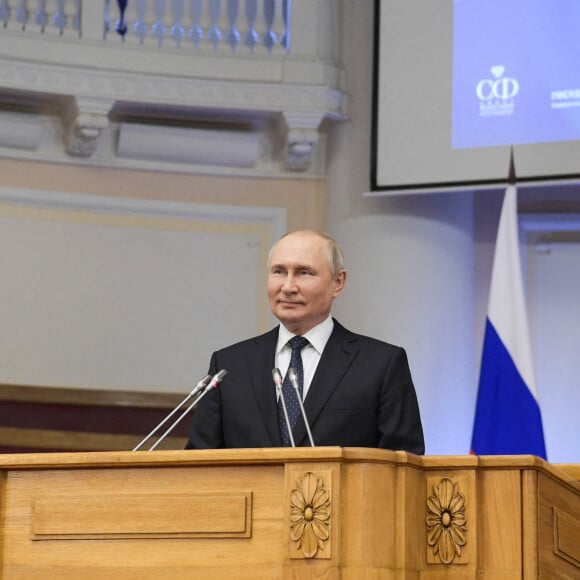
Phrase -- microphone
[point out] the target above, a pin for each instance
(213, 383)
(294, 381)
(200, 385)
(277, 376)
(199, 391)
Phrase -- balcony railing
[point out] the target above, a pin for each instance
(193, 25)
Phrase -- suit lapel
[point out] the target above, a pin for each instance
(339, 353)
(260, 360)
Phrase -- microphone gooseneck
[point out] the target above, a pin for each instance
(277, 376)
(294, 380)
(199, 391)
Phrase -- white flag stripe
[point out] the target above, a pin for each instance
(507, 305)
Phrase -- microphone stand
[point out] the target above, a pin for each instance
(199, 391)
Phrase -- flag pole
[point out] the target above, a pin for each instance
(512, 168)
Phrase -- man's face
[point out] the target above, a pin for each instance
(301, 287)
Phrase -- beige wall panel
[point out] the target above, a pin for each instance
(302, 198)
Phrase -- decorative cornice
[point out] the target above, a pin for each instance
(264, 97)
(101, 100)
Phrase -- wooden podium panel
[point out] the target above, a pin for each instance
(308, 513)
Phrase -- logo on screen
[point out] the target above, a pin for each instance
(563, 99)
(497, 94)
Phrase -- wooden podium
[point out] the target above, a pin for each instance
(327, 513)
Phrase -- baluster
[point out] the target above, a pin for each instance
(59, 18)
(76, 23)
(177, 31)
(251, 37)
(233, 36)
(285, 40)
(40, 16)
(196, 31)
(21, 13)
(121, 24)
(140, 26)
(4, 12)
(106, 18)
(158, 28)
(269, 13)
(214, 33)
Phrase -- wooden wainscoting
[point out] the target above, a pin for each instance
(37, 419)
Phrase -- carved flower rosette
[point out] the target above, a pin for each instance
(446, 521)
(310, 515)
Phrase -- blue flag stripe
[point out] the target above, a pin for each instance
(507, 418)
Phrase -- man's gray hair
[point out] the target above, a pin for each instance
(335, 255)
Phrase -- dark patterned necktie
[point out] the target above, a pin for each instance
(297, 343)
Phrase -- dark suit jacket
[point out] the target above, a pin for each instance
(361, 395)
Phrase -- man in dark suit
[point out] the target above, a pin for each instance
(357, 391)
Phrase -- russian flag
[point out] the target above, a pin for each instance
(507, 416)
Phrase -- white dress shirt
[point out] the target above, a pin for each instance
(311, 353)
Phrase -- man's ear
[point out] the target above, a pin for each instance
(339, 282)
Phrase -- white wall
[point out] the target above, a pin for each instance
(554, 291)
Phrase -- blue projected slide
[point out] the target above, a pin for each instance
(516, 72)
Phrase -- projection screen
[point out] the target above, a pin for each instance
(459, 84)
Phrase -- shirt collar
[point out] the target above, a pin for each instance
(317, 336)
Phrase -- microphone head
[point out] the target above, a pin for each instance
(203, 382)
(216, 379)
(277, 376)
(292, 374)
